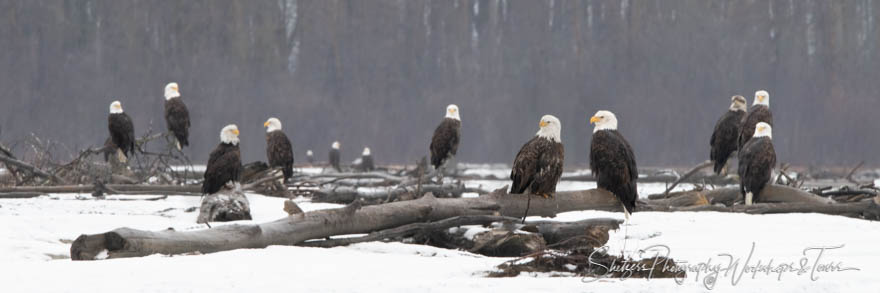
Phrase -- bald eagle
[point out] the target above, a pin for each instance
(538, 165)
(612, 161)
(334, 156)
(121, 131)
(444, 143)
(224, 163)
(759, 112)
(367, 161)
(278, 148)
(176, 115)
(756, 161)
(310, 157)
(724, 138)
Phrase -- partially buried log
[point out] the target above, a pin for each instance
(223, 206)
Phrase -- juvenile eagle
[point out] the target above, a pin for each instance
(724, 138)
(538, 165)
(612, 161)
(278, 148)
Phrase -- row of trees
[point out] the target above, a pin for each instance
(380, 73)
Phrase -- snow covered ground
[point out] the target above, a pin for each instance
(37, 233)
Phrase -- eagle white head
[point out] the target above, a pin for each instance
(229, 134)
(737, 103)
(272, 124)
(452, 112)
(604, 120)
(366, 151)
(550, 128)
(309, 153)
(335, 145)
(762, 98)
(762, 129)
(171, 91)
(115, 107)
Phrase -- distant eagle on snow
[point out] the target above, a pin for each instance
(121, 131)
(612, 161)
(444, 143)
(759, 112)
(176, 116)
(334, 156)
(724, 138)
(224, 163)
(756, 161)
(538, 165)
(367, 164)
(278, 148)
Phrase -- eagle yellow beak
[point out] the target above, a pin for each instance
(542, 123)
(594, 119)
(760, 98)
(266, 124)
(235, 131)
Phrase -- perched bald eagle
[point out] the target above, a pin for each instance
(444, 143)
(310, 157)
(367, 161)
(278, 148)
(759, 112)
(176, 115)
(121, 131)
(756, 161)
(334, 156)
(538, 165)
(612, 161)
(724, 138)
(224, 163)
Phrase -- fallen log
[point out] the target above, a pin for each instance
(355, 219)
(128, 188)
(291, 230)
(411, 229)
(731, 195)
(7, 195)
(346, 195)
(866, 209)
(224, 206)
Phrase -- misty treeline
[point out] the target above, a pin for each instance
(380, 73)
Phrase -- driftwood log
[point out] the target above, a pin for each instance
(346, 195)
(357, 219)
(224, 206)
(122, 188)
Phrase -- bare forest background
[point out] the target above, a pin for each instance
(380, 73)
